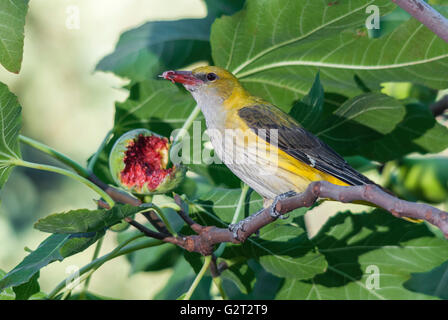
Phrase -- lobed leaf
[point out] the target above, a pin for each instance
(55, 248)
(6, 293)
(12, 16)
(10, 123)
(357, 246)
(28, 289)
(276, 47)
(434, 282)
(372, 125)
(157, 46)
(418, 132)
(85, 220)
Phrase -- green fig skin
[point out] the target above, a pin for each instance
(117, 165)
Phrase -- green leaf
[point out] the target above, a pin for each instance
(216, 174)
(275, 47)
(372, 125)
(433, 283)
(55, 247)
(10, 123)
(38, 296)
(85, 220)
(156, 105)
(308, 111)
(157, 46)
(390, 22)
(285, 251)
(181, 280)
(419, 179)
(88, 296)
(217, 8)
(359, 121)
(217, 207)
(78, 242)
(418, 132)
(26, 290)
(154, 259)
(12, 16)
(358, 245)
(241, 275)
(149, 259)
(8, 293)
(265, 287)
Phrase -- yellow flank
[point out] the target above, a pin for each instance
(301, 169)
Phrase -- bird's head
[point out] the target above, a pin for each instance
(206, 83)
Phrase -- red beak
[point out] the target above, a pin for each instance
(184, 77)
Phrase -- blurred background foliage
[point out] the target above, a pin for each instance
(70, 107)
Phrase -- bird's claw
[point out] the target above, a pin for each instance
(273, 212)
(235, 227)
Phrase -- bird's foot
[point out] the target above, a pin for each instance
(273, 211)
(235, 227)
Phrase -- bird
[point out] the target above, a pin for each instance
(261, 144)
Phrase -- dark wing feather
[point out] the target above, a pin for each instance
(299, 143)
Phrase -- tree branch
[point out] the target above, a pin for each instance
(439, 107)
(207, 237)
(427, 15)
(122, 197)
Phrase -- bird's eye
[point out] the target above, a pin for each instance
(211, 76)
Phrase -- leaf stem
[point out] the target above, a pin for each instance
(207, 261)
(68, 173)
(183, 131)
(159, 211)
(237, 216)
(55, 154)
(218, 283)
(96, 253)
(93, 160)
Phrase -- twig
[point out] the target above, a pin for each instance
(148, 232)
(157, 223)
(119, 196)
(427, 15)
(439, 107)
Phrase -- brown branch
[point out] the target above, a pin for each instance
(215, 268)
(208, 236)
(148, 232)
(439, 107)
(427, 15)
